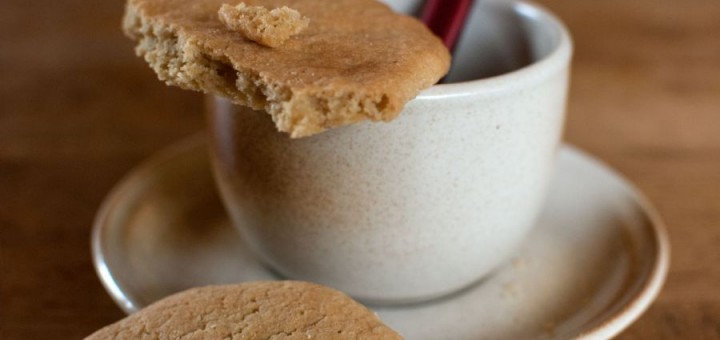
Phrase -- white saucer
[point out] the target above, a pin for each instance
(595, 261)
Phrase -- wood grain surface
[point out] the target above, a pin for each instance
(78, 110)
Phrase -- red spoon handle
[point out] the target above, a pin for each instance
(446, 18)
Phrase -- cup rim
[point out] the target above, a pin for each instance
(557, 58)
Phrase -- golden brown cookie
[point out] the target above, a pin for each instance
(356, 60)
(256, 310)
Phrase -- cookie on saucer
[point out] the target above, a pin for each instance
(256, 310)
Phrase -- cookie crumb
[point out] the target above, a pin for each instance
(269, 28)
(510, 290)
(519, 263)
(549, 328)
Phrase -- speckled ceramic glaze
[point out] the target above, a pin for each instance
(421, 206)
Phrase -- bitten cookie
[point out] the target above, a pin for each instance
(256, 310)
(357, 59)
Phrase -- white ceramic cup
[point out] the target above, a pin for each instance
(421, 206)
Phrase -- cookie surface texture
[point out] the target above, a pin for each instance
(258, 310)
(357, 60)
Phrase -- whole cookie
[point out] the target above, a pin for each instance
(257, 310)
(356, 60)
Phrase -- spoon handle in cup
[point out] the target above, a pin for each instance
(446, 18)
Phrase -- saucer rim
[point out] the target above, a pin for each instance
(614, 323)
(115, 196)
(651, 288)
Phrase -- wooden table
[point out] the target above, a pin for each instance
(78, 110)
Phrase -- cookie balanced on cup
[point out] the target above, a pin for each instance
(312, 65)
(341, 163)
